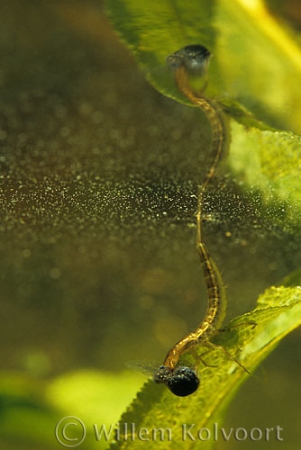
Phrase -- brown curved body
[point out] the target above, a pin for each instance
(216, 296)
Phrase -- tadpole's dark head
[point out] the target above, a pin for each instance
(182, 381)
(194, 58)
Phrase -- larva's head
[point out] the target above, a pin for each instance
(195, 59)
(181, 381)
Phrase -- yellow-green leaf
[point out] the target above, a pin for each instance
(196, 421)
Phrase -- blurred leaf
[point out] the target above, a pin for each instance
(97, 398)
(25, 415)
(89, 396)
(270, 162)
(278, 312)
(255, 65)
(88, 393)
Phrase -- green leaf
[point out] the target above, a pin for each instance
(22, 404)
(269, 161)
(255, 65)
(254, 60)
(278, 312)
(83, 392)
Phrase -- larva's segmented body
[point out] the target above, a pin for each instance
(181, 380)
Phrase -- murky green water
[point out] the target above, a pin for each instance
(98, 181)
